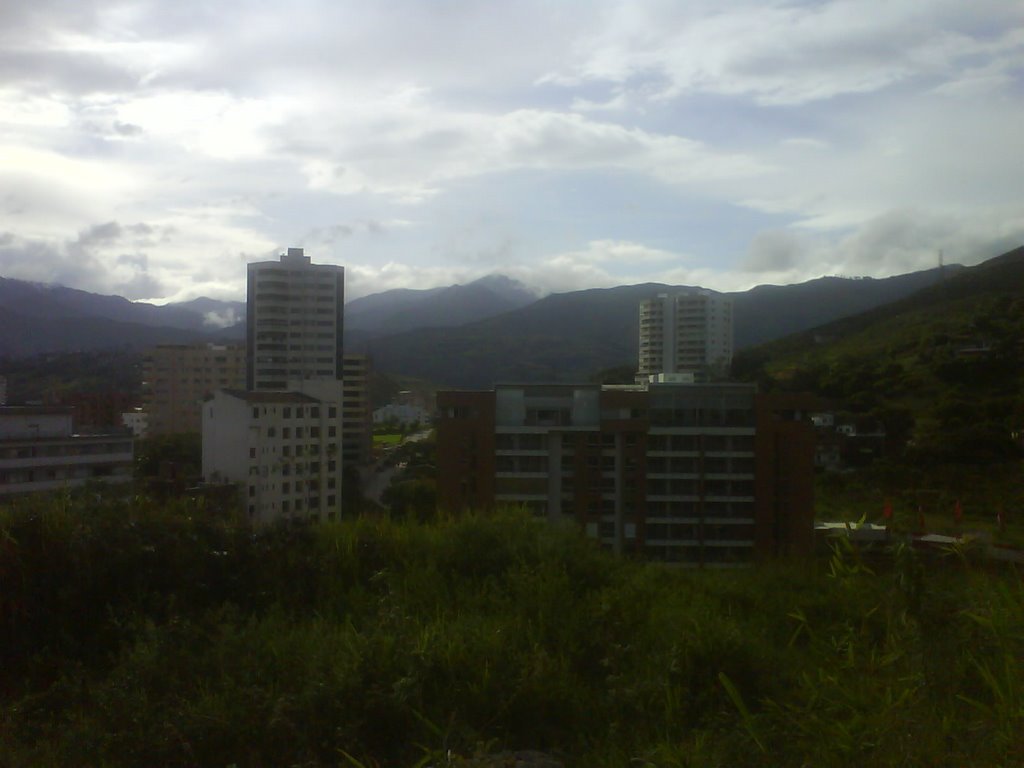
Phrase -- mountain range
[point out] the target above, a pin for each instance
(942, 369)
(493, 329)
(569, 336)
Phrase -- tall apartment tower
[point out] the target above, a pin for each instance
(688, 332)
(357, 416)
(294, 321)
(177, 378)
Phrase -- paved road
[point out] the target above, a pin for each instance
(380, 475)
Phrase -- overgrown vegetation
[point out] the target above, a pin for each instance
(942, 371)
(141, 635)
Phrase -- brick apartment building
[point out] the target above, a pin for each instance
(699, 474)
(177, 378)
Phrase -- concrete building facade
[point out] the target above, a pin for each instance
(697, 474)
(294, 321)
(687, 332)
(178, 378)
(357, 428)
(98, 411)
(39, 451)
(283, 448)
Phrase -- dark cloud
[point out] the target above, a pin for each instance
(78, 263)
(127, 129)
(67, 263)
(137, 260)
(141, 286)
(775, 250)
(74, 72)
(100, 233)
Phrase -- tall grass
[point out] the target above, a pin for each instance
(140, 635)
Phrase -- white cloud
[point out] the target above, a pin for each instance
(897, 242)
(410, 154)
(781, 53)
(852, 131)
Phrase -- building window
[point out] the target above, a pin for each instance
(332, 412)
(255, 413)
(287, 413)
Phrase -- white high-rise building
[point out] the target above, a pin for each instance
(282, 447)
(294, 321)
(687, 332)
(280, 439)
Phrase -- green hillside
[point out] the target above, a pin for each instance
(943, 370)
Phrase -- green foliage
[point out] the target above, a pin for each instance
(56, 374)
(181, 454)
(143, 635)
(943, 370)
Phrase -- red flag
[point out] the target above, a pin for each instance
(958, 512)
(887, 510)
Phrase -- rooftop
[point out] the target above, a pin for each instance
(270, 397)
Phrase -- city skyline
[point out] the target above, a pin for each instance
(152, 151)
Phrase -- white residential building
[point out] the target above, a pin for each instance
(40, 452)
(283, 448)
(137, 421)
(687, 332)
(294, 321)
(404, 415)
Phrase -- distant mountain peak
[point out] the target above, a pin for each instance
(507, 287)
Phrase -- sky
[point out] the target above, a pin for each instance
(151, 149)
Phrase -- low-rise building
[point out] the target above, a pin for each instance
(698, 474)
(97, 411)
(136, 421)
(401, 415)
(283, 449)
(39, 451)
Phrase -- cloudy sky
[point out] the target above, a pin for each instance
(151, 148)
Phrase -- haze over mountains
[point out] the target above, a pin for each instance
(493, 329)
